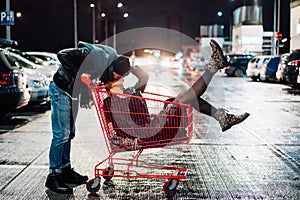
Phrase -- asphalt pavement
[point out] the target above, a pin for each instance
(254, 160)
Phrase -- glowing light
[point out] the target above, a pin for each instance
(120, 5)
(18, 14)
(126, 15)
(103, 15)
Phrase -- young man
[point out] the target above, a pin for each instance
(94, 61)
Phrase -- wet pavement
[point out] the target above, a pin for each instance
(258, 159)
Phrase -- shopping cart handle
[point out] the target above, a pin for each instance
(86, 80)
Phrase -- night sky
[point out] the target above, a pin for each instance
(48, 26)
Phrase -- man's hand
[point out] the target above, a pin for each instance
(86, 75)
(86, 78)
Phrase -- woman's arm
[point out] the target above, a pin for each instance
(142, 76)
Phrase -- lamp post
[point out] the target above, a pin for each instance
(75, 23)
(278, 26)
(114, 17)
(8, 33)
(103, 15)
(92, 5)
(220, 14)
(125, 15)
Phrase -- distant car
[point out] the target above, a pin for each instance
(282, 73)
(292, 71)
(269, 68)
(254, 66)
(38, 78)
(198, 63)
(13, 91)
(238, 64)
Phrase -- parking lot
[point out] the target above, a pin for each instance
(258, 159)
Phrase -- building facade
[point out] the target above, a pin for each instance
(295, 25)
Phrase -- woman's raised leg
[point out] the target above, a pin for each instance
(193, 95)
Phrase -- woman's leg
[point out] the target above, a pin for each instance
(192, 95)
(197, 89)
(216, 62)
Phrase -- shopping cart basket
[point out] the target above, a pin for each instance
(134, 123)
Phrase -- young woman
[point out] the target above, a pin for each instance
(193, 95)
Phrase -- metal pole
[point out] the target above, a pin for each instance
(93, 25)
(230, 28)
(75, 24)
(278, 26)
(106, 31)
(115, 35)
(274, 30)
(8, 34)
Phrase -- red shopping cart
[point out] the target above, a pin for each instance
(134, 123)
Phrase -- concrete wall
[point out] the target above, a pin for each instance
(247, 39)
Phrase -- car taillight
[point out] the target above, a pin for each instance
(7, 79)
(294, 62)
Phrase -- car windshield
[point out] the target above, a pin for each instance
(34, 59)
(14, 61)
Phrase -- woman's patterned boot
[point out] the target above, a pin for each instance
(227, 120)
(218, 60)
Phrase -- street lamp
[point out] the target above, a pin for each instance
(18, 14)
(120, 5)
(220, 14)
(75, 24)
(125, 15)
(92, 5)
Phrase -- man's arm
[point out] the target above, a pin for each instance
(72, 58)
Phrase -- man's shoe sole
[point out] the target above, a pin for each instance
(70, 191)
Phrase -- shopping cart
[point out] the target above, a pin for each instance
(134, 123)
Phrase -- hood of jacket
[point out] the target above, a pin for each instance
(98, 60)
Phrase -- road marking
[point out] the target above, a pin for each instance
(290, 161)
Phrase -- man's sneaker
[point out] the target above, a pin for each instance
(72, 177)
(54, 182)
(227, 120)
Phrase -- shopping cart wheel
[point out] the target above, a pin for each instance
(93, 185)
(170, 187)
(108, 172)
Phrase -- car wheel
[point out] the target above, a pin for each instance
(238, 73)
(254, 78)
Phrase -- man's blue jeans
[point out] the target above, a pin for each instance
(63, 127)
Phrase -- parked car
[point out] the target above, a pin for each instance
(298, 77)
(48, 57)
(281, 66)
(238, 64)
(38, 78)
(269, 68)
(283, 72)
(254, 66)
(13, 91)
(36, 60)
(292, 71)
